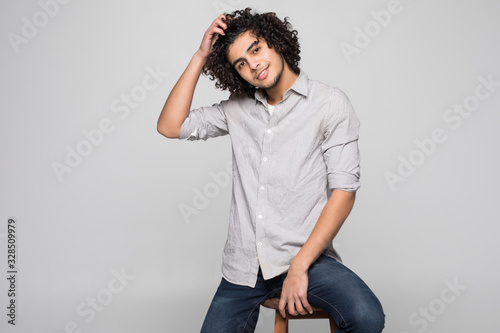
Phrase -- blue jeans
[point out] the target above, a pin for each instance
(332, 287)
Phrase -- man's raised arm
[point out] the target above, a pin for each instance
(178, 104)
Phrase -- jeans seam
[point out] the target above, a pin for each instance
(344, 322)
(257, 305)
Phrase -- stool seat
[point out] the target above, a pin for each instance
(281, 324)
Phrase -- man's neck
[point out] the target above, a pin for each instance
(275, 94)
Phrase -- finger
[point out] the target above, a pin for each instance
(216, 29)
(214, 34)
(219, 31)
(220, 22)
(223, 24)
(281, 307)
(306, 305)
(291, 308)
(300, 308)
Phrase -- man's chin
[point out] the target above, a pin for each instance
(271, 85)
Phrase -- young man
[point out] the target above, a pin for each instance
(295, 175)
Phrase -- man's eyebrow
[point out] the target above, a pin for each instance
(249, 48)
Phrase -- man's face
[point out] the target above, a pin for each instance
(257, 64)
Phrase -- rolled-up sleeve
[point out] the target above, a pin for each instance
(205, 122)
(340, 145)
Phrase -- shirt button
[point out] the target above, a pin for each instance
(269, 131)
(259, 243)
(261, 188)
(264, 158)
(260, 216)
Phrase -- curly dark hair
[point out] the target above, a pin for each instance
(278, 35)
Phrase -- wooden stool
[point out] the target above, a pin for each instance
(281, 324)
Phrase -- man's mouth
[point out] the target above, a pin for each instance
(263, 74)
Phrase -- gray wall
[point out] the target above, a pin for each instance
(97, 193)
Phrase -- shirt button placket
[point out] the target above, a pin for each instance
(262, 200)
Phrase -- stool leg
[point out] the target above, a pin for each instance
(280, 323)
(333, 325)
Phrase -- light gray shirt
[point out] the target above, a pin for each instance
(284, 166)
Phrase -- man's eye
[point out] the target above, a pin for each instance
(256, 49)
(240, 64)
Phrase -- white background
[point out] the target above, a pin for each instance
(118, 210)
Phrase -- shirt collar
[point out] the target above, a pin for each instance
(301, 86)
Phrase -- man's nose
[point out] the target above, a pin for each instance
(254, 64)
